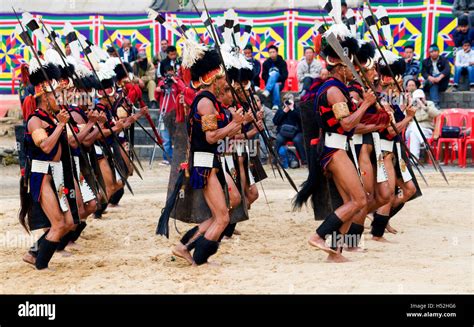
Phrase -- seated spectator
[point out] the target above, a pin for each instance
(168, 91)
(164, 45)
(170, 60)
(436, 72)
(268, 115)
(324, 75)
(145, 73)
(464, 8)
(127, 52)
(111, 51)
(308, 69)
(257, 67)
(464, 63)
(275, 73)
(288, 123)
(462, 32)
(426, 112)
(412, 65)
(411, 84)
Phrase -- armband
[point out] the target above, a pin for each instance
(341, 110)
(209, 123)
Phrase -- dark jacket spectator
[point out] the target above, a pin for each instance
(128, 52)
(292, 117)
(462, 32)
(171, 60)
(280, 64)
(288, 123)
(443, 68)
(412, 65)
(464, 8)
(257, 67)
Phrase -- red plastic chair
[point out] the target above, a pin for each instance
(452, 117)
(292, 80)
(469, 140)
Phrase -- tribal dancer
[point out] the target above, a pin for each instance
(395, 160)
(47, 190)
(338, 119)
(366, 140)
(207, 125)
(240, 75)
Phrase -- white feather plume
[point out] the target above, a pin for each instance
(339, 30)
(53, 57)
(34, 65)
(79, 67)
(389, 56)
(192, 51)
(74, 46)
(26, 18)
(105, 72)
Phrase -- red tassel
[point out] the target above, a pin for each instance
(25, 74)
(28, 107)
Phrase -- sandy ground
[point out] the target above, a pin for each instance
(433, 252)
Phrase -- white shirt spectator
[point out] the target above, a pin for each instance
(308, 70)
(464, 59)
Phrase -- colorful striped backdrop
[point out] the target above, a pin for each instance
(418, 22)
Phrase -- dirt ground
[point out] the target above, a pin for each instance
(432, 253)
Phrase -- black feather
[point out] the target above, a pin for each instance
(163, 222)
(209, 62)
(349, 43)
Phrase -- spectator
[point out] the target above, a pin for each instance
(67, 47)
(324, 75)
(167, 93)
(257, 67)
(111, 52)
(426, 112)
(170, 60)
(288, 122)
(127, 52)
(464, 63)
(412, 65)
(275, 73)
(308, 69)
(436, 72)
(268, 115)
(344, 12)
(145, 73)
(411, 84)
(462, 32)
(164, 45)
(464, 8)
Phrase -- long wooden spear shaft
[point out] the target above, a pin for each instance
(436, 164)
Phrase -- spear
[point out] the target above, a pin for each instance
(158, 139)
(436, 164)
(70, 195)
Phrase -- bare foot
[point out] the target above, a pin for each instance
(181, 251)
(390, 229)
(28, 258)
(382, 239)
(64, 253)
(357, 249)
(336, 258)
(320, 243)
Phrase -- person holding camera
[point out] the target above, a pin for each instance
(426, 113)
(288, 122)
(167, 93)
(144, 70)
